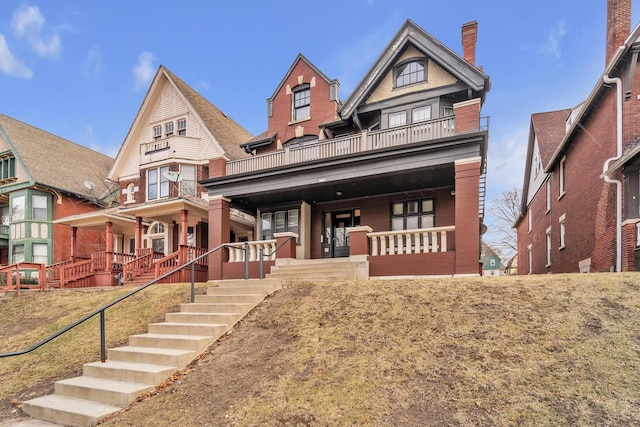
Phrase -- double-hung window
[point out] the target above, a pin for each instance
(157, 132)
(549, 244)
(421, 114)
(40, 253)
(18, 208)
(302, 103)
(562, 176)
(397, 119)
(187, 180)
(168, 128)
(412, 214)
(7, 167)
(562, 231)
(157, 183)
(182, 127)
(39, 207)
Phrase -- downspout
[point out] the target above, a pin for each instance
(618, 82)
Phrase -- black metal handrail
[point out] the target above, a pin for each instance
(101, 310)
(261, 255)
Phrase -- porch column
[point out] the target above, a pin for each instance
(358, 240)
(109, 244)
(288, 249)
(467, 234)
(74, 243)
(138, 237)
(219, 232)
(184, 224)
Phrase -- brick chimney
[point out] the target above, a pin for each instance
(618, 25)
(469, 38)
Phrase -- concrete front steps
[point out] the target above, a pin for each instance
(151, 358)
(330, 269)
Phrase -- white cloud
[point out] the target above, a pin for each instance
(144, 70)
(10, 65)
(92, 63)
(552, 45)
(506, 158)
(28, 23)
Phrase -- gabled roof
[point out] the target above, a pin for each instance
(53, 161)
(549, 128)
(410, 33)
(222, 128)
(229, 133)
(299, 58)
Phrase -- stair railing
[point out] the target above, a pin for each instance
(100, 311)
(261, 255)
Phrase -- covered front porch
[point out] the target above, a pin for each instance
(143, 242)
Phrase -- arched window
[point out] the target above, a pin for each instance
(411, 71)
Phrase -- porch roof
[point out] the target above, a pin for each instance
(96, 220)
(171, 210)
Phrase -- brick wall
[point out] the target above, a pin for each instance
(467, 222)
(88, 241)
(467, 114)
(322, 109)
(219, 233)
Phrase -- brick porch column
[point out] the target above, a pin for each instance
(219, 233)
(467, 196)
(289, 248)
(109, 245)
(358, 240)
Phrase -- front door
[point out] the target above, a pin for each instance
(335, 242)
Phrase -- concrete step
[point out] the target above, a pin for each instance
(246, 298)
(214, 318)
(127, 371)
(238, 290)
(212, 329)
(216, 307)
(183, 342)
(68, 411)
(155, 356)
(113, 392)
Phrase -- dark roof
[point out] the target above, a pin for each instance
(301, 57)
(410, 33)
(550, 129)
(265, 138)
(228, 133)
(55, 162)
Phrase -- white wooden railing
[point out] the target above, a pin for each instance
(422, 240)
(237, 250)
(365, 141)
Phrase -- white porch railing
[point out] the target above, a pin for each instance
(422, 240)
(237, 252)
(365, 141)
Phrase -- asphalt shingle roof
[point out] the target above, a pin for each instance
(550, 129)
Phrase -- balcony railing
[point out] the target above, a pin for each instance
(172, 147)
(237, 252)
(365, 141)
(419, 241)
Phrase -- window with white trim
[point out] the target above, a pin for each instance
(168, 128)
(187, 180)
(562, 231)
(301, 103)
(18, 208)
(421, 114)
(17, 254)
(157, 132)
(39, 207)
(157, 183)
(397, 119)
(548, 196)
(529, 221)
(40, 253)
(562, 175)
(530, 250)
(182, 127)
(549, 244)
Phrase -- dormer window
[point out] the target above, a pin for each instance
(182, 127)
(411, 71)
(301, 102)
(168, 129)
(157, 132)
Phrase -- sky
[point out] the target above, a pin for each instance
(81, 68)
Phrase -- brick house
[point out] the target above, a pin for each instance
(35, 191)
(580, 205)
(392, 176)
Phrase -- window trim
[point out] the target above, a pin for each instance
(295, 108)
(419, 214)
(562, 172)
(181, 130)
(33, 252)
(33, 207)
(168, 129)
(563, 231)
(287, 224)
(157, 132)
(160, 183)
(549, 246)
(402, 113)
(422, 107)
(548, 196)
(399, 72)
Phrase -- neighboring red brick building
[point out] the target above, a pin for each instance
(581, 201)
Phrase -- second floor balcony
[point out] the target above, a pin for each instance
(351, 144)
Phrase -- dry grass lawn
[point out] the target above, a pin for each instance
(545, 350)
